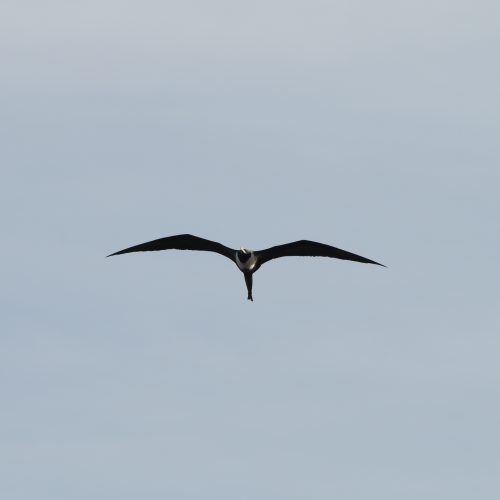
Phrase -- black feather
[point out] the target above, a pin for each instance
(306, 248)
(180, 242)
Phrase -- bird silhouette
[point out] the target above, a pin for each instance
(248, 261)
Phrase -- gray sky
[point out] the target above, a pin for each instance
(370, 126)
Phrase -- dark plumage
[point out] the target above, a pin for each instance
(248, 261)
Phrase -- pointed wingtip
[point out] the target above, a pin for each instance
(369, 261)
(120, 252)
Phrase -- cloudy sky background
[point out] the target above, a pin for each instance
(370, 126)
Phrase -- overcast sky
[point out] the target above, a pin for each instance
(372, 126)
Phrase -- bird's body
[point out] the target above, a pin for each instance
(248, 261)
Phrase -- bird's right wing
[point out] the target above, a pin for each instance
(306, 248)
(181, 242)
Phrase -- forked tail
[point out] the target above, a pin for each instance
(248, 281)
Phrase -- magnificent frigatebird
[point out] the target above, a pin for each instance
(248, 261)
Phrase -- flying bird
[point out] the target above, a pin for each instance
(248, 261)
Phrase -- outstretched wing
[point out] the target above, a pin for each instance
(181, 242)
(306, 248)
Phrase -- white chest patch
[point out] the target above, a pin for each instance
(249, 265)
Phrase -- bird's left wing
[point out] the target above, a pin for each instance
(181, 242)
(306, 248)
